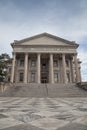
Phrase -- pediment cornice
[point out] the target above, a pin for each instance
(29, 39)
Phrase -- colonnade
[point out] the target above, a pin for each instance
(50, 68)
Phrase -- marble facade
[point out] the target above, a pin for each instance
(45, 58)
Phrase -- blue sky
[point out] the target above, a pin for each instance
(65, 18)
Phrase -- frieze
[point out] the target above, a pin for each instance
(44, 50)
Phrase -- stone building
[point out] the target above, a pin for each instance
(45, 58)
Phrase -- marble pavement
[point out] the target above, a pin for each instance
(43, 113)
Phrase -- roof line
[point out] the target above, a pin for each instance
(46, 34)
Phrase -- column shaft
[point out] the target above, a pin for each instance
(38, 69)
(76, 68)
(64, 68)
(72, 70)
(26, 68)
(79, 75)
(51, 69)
(13, 67)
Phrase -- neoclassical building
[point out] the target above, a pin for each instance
(45, 58)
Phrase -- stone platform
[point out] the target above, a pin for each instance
(43, 113)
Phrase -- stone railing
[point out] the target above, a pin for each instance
(4, 86)
(82, 85)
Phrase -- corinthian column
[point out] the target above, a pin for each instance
(64, 68)
(13, 67)
(76, 67)
(79, 74)
(26, 68)
(51, 69)
(38, 69)
(72, 70)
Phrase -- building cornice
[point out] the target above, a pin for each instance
(70, 43)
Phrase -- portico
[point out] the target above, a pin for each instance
(45, 59)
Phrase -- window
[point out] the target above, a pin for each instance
(8, 79)
(68, 77)
(43, 66)
(56, 77)
(67, 63)
(9, 70)
(55, 63)
(44, 75)
(21, 62)
(33, 63)
(33, 77)
(21, 77)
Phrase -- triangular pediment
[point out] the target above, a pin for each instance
(44, 39)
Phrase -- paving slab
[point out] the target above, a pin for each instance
(23, 127)
(73, 127)
(43, 113)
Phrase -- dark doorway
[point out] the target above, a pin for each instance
(44, 70)
(44, 78)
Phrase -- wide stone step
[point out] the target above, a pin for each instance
(42, 90)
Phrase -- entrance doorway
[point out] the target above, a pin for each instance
(44, 70)
(44, 78)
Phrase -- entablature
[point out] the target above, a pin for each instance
(45, 50)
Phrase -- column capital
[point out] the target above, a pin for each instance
(63, 53)
(26, 53)
(75, 54)
(38, 53)
(14, 54)
(51, 53)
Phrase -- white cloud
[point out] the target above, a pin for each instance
(83, 57)
(16, 24)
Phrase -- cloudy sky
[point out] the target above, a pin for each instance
(65, 18)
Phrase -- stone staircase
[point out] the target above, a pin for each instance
(44, 90)
(66, 90)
